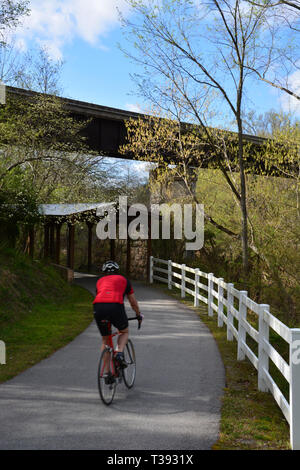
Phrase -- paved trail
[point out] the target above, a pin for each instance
(175, 403)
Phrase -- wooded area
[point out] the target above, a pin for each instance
(200, 61)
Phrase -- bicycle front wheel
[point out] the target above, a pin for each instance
(106, 377)
(130, 371)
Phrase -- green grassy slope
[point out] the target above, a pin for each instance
(39, 312)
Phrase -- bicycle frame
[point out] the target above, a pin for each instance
(110, 373)
(110, 347)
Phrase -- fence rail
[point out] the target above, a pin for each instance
(232, 308)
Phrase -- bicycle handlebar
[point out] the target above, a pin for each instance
(139, 318)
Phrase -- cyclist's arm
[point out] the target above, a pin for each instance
(134, 304)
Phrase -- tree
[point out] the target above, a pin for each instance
(192, 50)
(290, 5)
(41, 139)
(18, 203)
(44, 159)
(40, 72)
(177, 150)
(282, 155)
(268, 124)
(34, 70)
(282, 51)
(11, 13)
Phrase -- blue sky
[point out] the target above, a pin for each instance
(99, 75)
(85, 34)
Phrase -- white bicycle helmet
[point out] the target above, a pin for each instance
(110, 267)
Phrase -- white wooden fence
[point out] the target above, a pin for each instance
(231, 307)
(2, 353)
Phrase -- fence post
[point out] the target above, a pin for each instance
(182, 281)
(241, 328)
(169, 274)
(220, 302)
(2, 353)
(210, 296)
(151, 270)
(196, 291)
(263, 358)
(294, 388)
(229, 314)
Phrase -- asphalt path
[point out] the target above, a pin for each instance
(174, 404)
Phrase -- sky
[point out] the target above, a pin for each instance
(85, 34)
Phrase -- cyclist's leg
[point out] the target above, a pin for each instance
(101, 316)
(105, 342)
(106, 358)
(120, 321)
(122, 339)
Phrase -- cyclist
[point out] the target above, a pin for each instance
(109, 305)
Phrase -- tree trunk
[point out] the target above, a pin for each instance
(243, 201)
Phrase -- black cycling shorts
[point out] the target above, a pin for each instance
(113, 312)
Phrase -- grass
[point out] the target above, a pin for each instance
(250, 420)
(39, 312)
(48, 327)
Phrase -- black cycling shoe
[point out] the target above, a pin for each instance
(121, 360)
(109, 379)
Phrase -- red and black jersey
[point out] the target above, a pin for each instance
(112, 289)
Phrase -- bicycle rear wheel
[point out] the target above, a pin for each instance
(106, 377)
(130, 371)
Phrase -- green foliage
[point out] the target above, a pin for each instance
(274, 230)
(18, 199)
(43, 159)
(281, 155)
(39, 124)
(39, 312)
(23, 283)
(274, 233)
(18, 206)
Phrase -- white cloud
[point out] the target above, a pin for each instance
(135, 108)
(57, 22)
(289, 103)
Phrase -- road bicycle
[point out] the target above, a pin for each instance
(110, 373)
